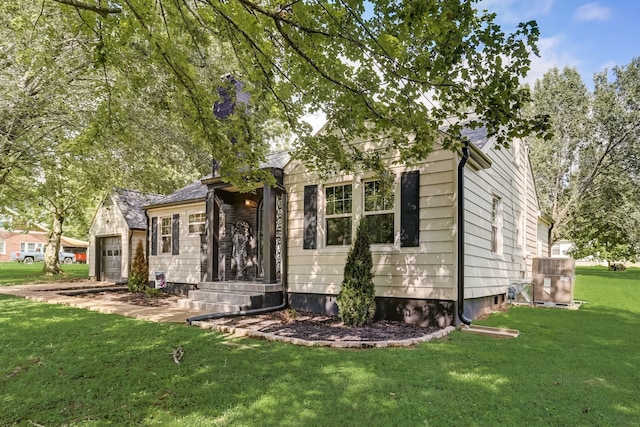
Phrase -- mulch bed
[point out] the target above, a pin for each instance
(289, 323)
(313, 327)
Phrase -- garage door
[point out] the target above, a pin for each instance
(111, 258)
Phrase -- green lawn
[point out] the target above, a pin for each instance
(67, 366)
(16, 273)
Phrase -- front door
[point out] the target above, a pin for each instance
(111, 258)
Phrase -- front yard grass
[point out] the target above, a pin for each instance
(67, 366)
(17, 273)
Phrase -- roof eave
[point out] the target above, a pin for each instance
(176, 203)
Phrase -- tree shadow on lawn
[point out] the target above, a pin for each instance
(79, 366)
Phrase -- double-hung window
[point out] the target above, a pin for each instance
(165, 233)
(496, 225)
(3, 247)
(338, 213)
(196, 223)
(379, 211)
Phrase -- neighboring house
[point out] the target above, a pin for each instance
(117, 226)
(296, 236)
(17, 237)
(560, 249)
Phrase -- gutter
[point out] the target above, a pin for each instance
(463, 162)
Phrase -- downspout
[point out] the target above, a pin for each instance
(146, 243)
(130, 254)
(463, 161)
(549, 236)
(285, 297)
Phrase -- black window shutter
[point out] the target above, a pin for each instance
(154, 236)
(175, 235)
(310, 216)
(410, 209)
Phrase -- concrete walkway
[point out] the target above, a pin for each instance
(54, 294)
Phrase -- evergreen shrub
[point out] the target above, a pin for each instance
(139, 276)
(356, 300)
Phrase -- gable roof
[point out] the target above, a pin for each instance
(130, 203)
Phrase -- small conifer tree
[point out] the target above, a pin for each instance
(139, 276)
(356, 300)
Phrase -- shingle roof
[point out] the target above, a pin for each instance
(477, 137)
(276, 160)
(194, 191)
(198, 191)
(130, 203)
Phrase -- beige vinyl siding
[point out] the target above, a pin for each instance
(486, 272)
(184, 267)
(108, 222)
(426, 271)
(537, 231)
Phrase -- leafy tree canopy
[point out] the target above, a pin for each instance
(375, 67)
(587, 172)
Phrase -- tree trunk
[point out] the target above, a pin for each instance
(51, 260)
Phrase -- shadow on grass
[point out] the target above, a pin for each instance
(63, 365)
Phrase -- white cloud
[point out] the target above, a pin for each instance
(592, 12)
(553, 53)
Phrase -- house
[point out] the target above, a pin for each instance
(560, 249)
(421, 255)
(18, 237)
(117, 226)
(449, 235)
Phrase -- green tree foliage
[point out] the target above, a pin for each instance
(72, 128)
(585, 169)
(374, 67)
(356, 300)
(139, 276)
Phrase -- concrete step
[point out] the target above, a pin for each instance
(240, 286)
(211, 306)
(223, 297)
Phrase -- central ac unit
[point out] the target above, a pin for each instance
(553, 280)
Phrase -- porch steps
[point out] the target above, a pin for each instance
(227, 297)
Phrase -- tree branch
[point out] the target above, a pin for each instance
(102, 10)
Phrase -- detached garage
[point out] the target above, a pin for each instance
(118, 225)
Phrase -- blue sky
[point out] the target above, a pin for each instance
(587, 35)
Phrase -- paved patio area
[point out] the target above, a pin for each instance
(54, 294)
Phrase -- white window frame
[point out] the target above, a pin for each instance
(520, 229)
(31, 247)
(497, 224)
(329, 217)
(164, 235)
(3, 247)
(196, 219)
(387, 210)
